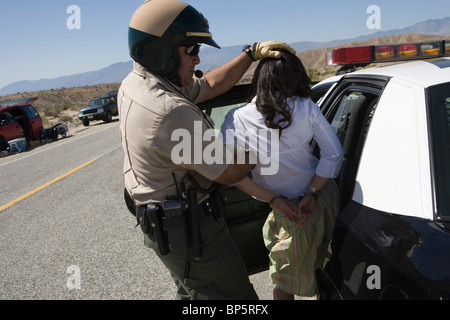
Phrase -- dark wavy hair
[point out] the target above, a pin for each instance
(274, 81)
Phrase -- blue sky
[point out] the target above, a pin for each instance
(36, 42)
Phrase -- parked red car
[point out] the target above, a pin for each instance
(19, 119)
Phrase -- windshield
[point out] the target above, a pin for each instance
(98, 101)
(439, 98)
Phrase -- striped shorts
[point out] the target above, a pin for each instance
(294, 250)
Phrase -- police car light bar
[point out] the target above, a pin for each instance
(388, 53)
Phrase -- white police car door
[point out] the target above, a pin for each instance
(349, 110)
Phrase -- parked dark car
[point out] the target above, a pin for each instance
(100, 108)
(19, 121)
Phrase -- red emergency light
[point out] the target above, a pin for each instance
(387, 53)
(353, 55)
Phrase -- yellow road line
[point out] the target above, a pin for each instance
(44, 186)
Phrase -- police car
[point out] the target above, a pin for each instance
(391, 237)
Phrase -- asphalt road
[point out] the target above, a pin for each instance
(65, 232)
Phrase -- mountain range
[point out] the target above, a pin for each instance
(210, 58)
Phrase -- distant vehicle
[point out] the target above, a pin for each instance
(100, 108)
(19, 119)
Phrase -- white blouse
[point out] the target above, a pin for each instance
(286, 165)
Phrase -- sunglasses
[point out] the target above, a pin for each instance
(193, 50)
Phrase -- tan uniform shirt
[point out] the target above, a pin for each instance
(151, 109)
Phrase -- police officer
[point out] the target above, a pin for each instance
(157, 102)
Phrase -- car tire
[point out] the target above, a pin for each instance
(3, 144)
(85, 123)
(326, 287)
(393, 292)
(108, 117)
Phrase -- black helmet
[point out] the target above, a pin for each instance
(159, 27)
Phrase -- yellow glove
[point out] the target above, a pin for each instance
(270, 49)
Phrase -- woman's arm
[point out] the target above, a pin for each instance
(252, 188)
(307, 203)
(281, 204)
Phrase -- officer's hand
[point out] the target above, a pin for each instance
(270, 49)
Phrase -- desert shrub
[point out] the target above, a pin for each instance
(65, 119)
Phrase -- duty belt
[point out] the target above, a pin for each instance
(175, 223)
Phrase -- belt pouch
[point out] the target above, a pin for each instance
(154, 216)
(175, 223)
(143, 220)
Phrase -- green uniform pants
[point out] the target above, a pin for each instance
(219, 275)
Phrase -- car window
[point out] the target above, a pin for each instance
(439, 107)
(97, 102)
(218, 114)
(30, 111)
(350, 117)
(319, 92)
(353, 108)
(341, 119)
(6, 119)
